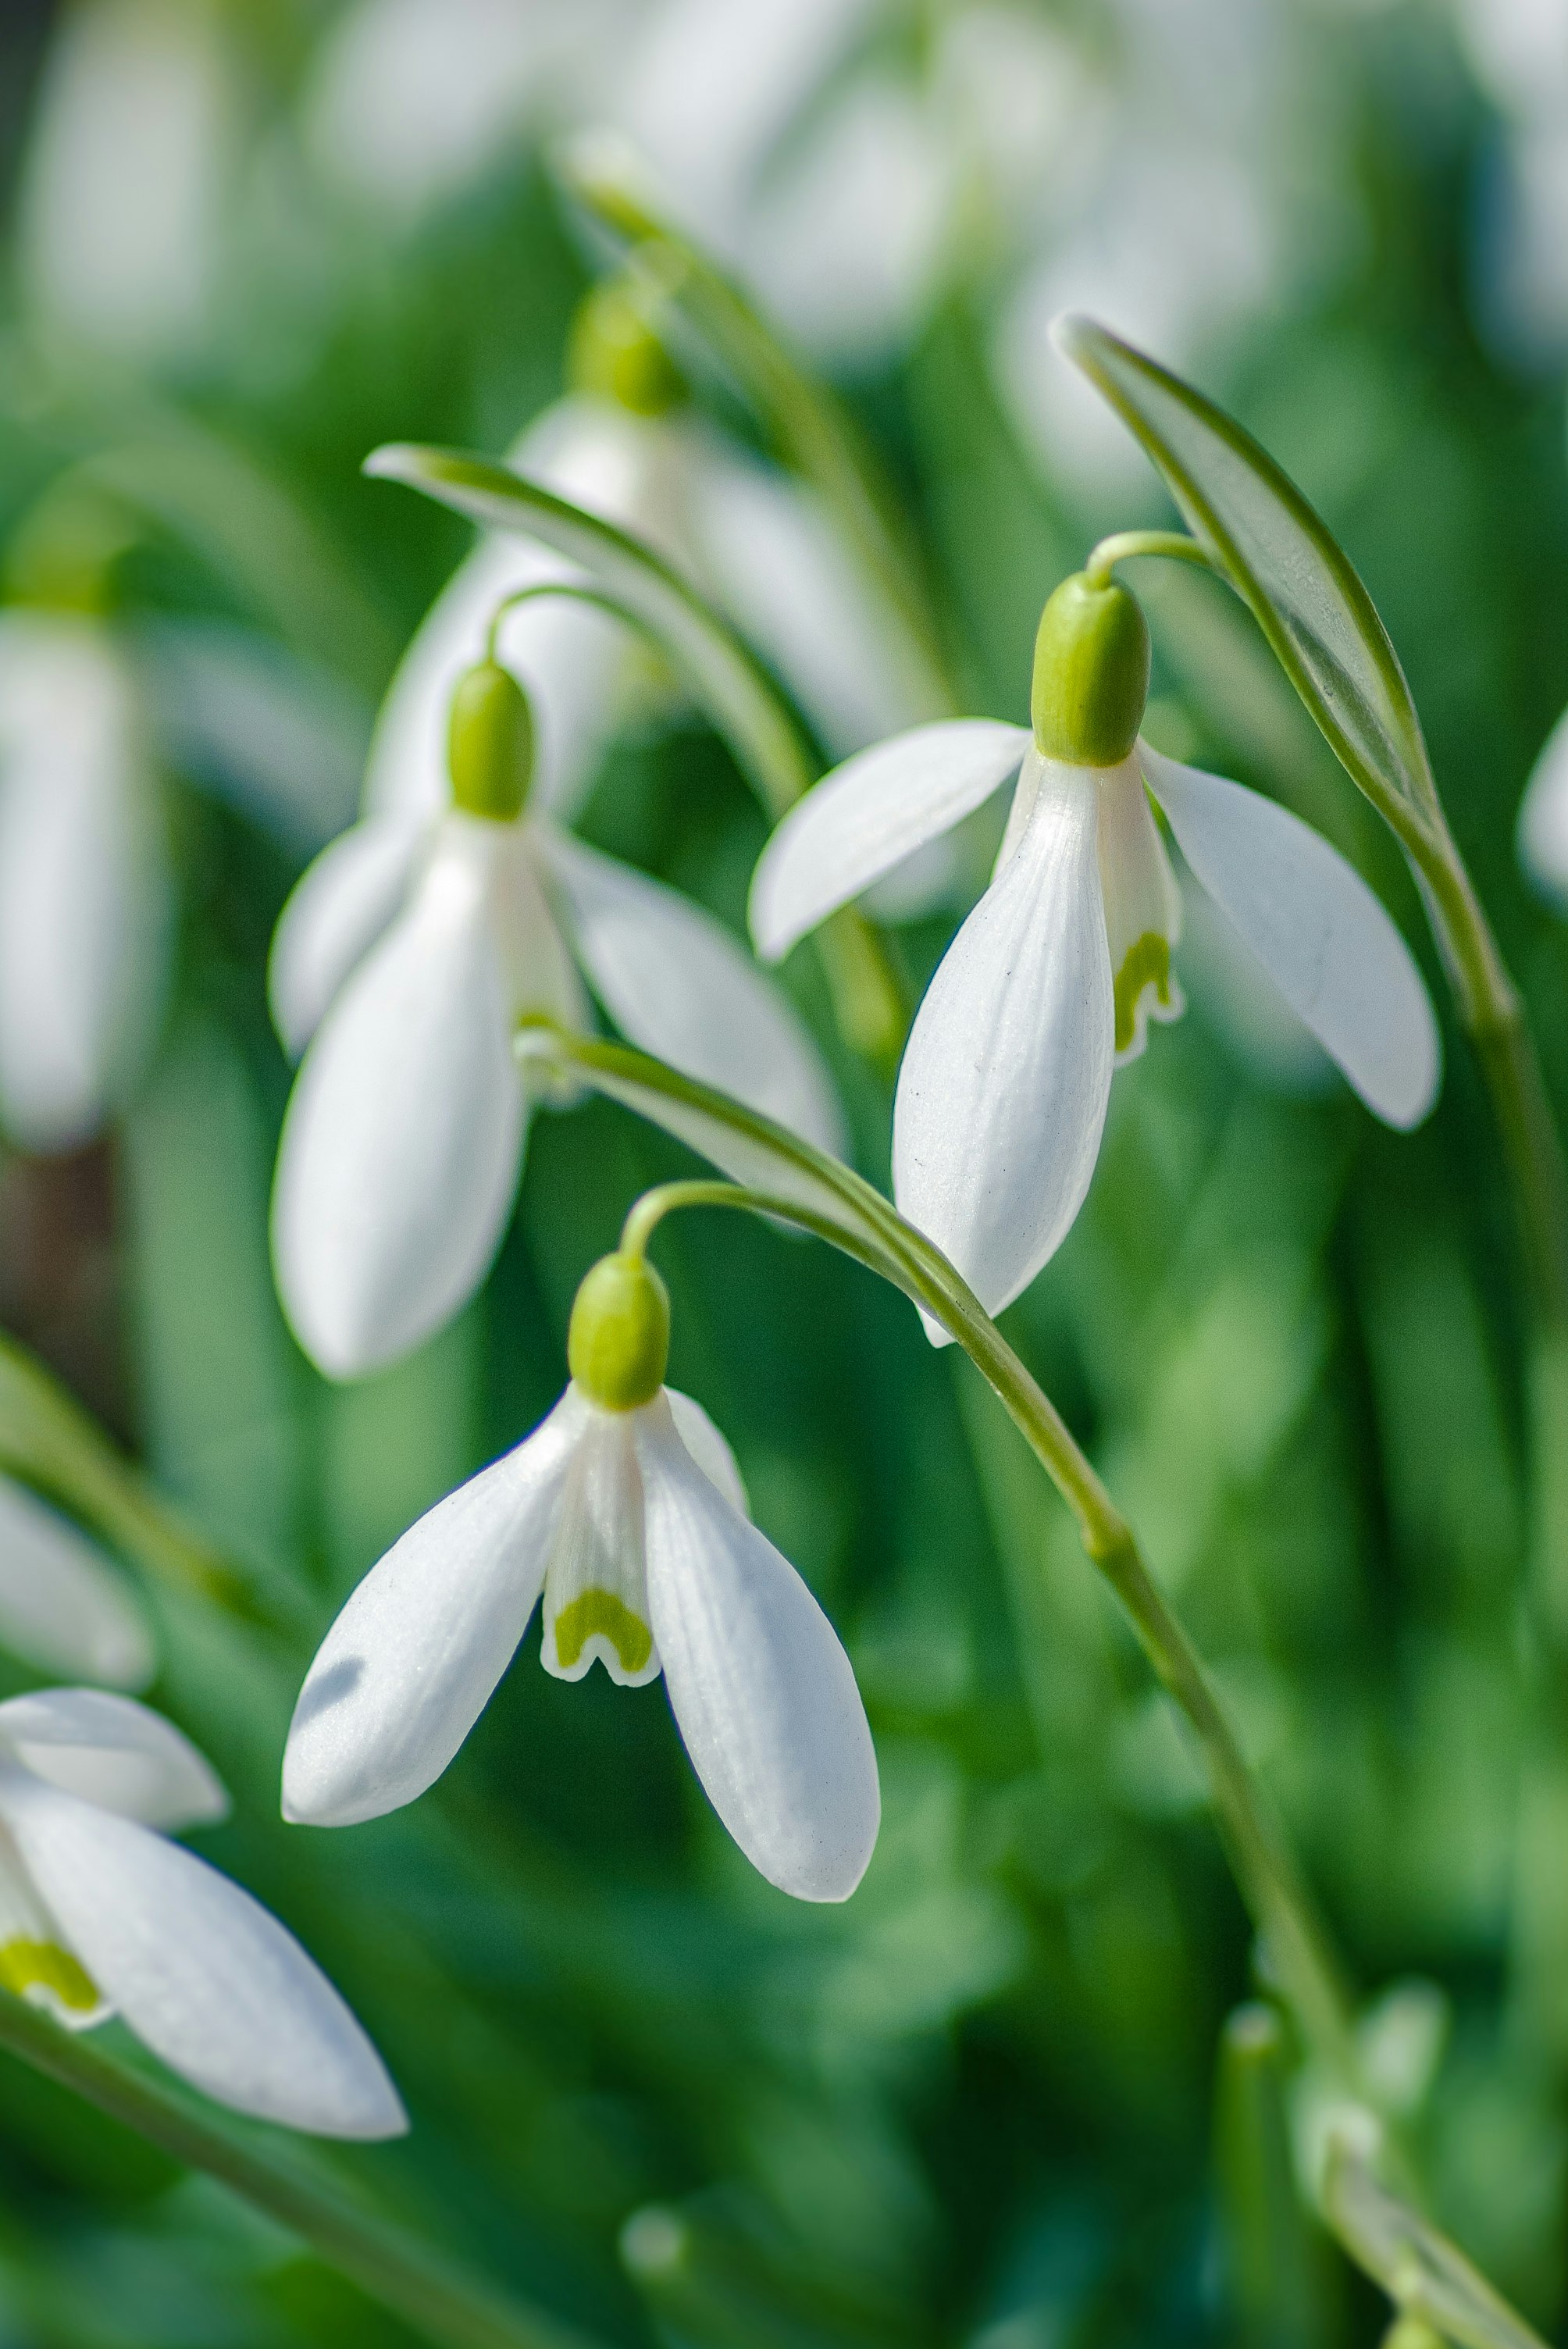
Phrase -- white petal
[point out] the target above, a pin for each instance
(62, 1607)
(1006, 1074)
(1142, 909)
(334, 914)
(780, 569)
(762, 1692)
(595, 1593)
(200, 1970)
(411, 1662)
(1543, 817)
(114, 1753)
(709, 1447)
(676, 982)
(403, 1140)
(869, 814)
(83, 888)
(1317, 927)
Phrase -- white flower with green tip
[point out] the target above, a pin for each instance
(1052, 980)
(624, 1513)
(101, 1914)
(404, 960)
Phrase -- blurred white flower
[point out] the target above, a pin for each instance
(126, 180)
(1051, 981)
(408, 952)
(63, 1608)
(1544, 818)
(632, 1523)
(100, 1914)
(84, 889)
(1518, 51)
(407, 101)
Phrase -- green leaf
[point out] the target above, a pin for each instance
(1423, 2274)
(1262, 536)
(732, 686)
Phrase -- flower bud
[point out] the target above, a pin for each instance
(619, 1339)
(615, 354)
(490, 743)
(1091, 673)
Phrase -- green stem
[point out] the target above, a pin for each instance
(388, 2263)
(598, 596)
(1123, 544)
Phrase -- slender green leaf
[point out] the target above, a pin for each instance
(1260, 533)
(732, 686)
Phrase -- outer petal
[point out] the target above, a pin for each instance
(871, 814)
(401, 1147)
(411, 1662)
(762, 1692)
(200, 1970)
(334, 914)
(62, 1608)
(114, 1753)
(677, 983)
(1317, 929)
(1142, 909)
(709, 1447)
(1006, 1074)
(83, 890)
(1543, 817)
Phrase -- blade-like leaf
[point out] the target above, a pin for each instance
(1421, 2271)
(1260, 533)
(733, 688)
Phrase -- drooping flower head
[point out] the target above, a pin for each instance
(405, 958)
(1054, 977)
(101, 1914)
(624, 1513)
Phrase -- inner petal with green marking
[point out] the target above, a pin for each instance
(44, 1971)
(1146, 963)
(595, 1592)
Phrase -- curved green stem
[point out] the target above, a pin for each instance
(578, 593)
(1122, 545)
(387, 2261)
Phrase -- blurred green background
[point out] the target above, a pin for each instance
(977, 2104)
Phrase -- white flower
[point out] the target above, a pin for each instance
(83, 885)
(1054, 976)
(63, 1608)
(631, 1522)
(100, 1914)
(407, 955)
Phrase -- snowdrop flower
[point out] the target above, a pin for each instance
(83, 885)
(1053, 978)
(624, 1510)
(624, 444)
(63, 1608)
(100, 1914)
(406, 958)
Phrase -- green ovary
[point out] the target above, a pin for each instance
(43, 1965)
(601, 1611)
(1147, 963)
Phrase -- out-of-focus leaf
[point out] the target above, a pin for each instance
(1260, 532)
